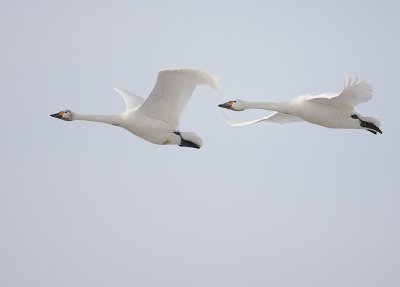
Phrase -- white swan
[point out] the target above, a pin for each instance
(327, 110)
(156, 119)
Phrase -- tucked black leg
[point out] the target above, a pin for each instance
(368, 126)
(186, 143)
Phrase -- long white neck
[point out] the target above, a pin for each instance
(278, 107)
(108, 119)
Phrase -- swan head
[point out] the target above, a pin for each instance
(63, 115)
(236, 105)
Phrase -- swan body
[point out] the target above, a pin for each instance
(328, 110)
(156, 118)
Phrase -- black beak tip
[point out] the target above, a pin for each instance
(57, 116)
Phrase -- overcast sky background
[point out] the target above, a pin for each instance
(88, 204)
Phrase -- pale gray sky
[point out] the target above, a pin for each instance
(86, 204)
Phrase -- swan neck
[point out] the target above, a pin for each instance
(108, 119)
(278, 107)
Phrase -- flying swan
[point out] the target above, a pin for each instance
(328, 110)
(156, 118)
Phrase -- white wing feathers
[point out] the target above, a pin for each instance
(172, 91)
(276, 117)
(131, 100)
(354, 93)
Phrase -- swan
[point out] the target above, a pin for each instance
(156, 118)
(328, 109)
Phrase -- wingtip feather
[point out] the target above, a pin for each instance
(206, 78)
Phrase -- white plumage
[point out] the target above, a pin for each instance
(131, 100)
(156, 118)
(328, 109)
(172, 92)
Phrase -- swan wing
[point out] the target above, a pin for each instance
(355, 92)
(172, 92)
(276, 117)
(131, 100)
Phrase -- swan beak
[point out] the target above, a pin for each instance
(227, 105)
(57, 115)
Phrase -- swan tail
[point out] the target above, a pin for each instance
(189, 139)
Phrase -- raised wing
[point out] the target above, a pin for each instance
(172, 92)
(276, 117)
(354, 93)
(131, 100)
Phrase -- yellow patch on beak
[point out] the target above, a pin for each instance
(227, 105)
(58, 115)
